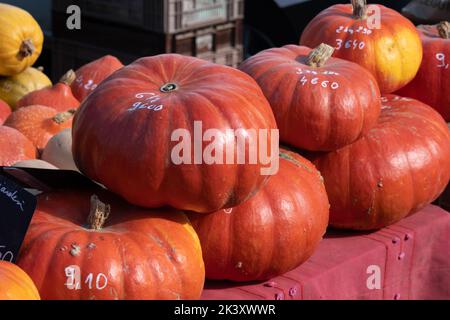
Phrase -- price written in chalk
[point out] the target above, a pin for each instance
(16, 207)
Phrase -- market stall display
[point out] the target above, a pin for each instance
(164, 177)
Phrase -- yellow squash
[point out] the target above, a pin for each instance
(12, 89)
(21, 40)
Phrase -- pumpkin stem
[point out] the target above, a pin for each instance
(68, 78)
(319, 56)
(26, 49)
(444, 29)
(359, 9)
(99, 214)
(168, 87)
(64, 116)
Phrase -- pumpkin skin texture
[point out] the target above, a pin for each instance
(310, 116)
(22, 40)
(397, 168)
(39, 123)
(58, 151)
(14, 147)
(59, 96)
(392, 53)
(143, 254)
(271, 233)
(5, 111)
(130, 150)
(12, 89)
(90, 75)
(15, 284)
(432, 82)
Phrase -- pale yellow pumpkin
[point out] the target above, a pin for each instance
(12, 89)
(21, 40)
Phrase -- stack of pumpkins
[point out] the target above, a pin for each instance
(171, 217)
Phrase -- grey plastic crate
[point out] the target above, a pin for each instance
(165, 16)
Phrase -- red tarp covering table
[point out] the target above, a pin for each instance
(413, 256)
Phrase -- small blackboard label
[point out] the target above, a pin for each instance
(16, 210)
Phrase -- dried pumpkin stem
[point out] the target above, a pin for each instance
(26, 49)
(359, 9)
(99, 214)
(319, 56)
(68, 78)
(444, 29)
(64, 116)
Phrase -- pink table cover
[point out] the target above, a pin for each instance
(413, 256)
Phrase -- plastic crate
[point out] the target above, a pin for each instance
(219, 37)
(231, 57)
(72, 55)
(164, 16)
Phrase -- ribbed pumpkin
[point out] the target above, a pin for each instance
(15, 284)
(39, 123)
(272, 232)
(14, 146)
(391, 51)
(319, 103)
(12, 89)
(397, 168)
(21, 40)
(125, 134)
(432, 83)
(5, 111)
(59, 96)
(80, 246)
(90, 75)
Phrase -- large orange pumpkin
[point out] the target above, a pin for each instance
(39, 123)
(21, 40)
(59, 96)
(15, 284)
(126, 133)
(319, 103)
(397, 168)
(378, 38)
(78, 247)
(14, 147)
(272, 232)
(90, 75)
(5, 111)
(432, 83)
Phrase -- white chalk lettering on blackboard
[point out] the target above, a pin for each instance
(12, 195)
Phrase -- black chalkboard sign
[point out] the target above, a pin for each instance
(16, 210)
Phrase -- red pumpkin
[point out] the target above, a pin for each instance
(39, 123)
(15, 284)
(5, 111)
(378, 38)
(319, 103)
(89, 76)
(14, 147)
(59, 96)
(432, 82)
(397, 168)
(118, 251)
(126, 133)
(273, 232)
